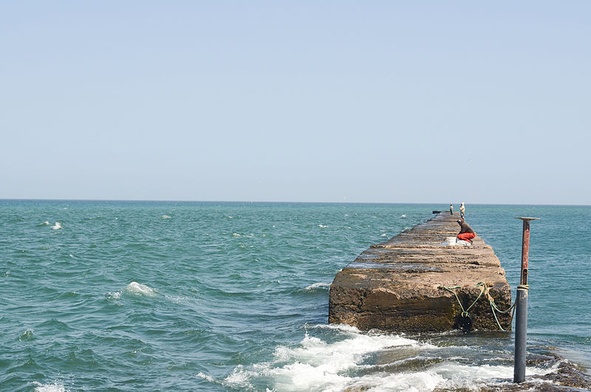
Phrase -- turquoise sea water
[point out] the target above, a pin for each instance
(164, 296)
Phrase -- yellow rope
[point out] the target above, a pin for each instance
(465, 311)
(484, 289)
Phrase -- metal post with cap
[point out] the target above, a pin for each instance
(521, 306)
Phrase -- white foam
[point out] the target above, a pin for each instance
(403, 382)
(140, 289)
(55, 387)
(318, 365)
(348, 359)
(461, 376)
(114, 295)
(317, 286)
(239, 378)
(205, 377)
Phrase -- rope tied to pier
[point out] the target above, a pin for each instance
(495, 309)
(511, 309)
(465, 322)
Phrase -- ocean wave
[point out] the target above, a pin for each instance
(136, 288)
(317, 364)
(54, 387)
(320, 286)
(27, 335)
(206, 377)
(184, 302)
(344, 358)
(113, 295)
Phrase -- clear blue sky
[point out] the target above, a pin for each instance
(311, 101)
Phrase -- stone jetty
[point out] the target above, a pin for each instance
(421, 281)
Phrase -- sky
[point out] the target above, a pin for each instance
(299, 101)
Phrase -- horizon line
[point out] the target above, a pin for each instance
(285, 202)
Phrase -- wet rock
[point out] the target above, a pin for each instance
(567, 378)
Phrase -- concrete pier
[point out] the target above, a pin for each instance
(419, 282)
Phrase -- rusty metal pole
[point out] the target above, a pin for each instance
(521, 307)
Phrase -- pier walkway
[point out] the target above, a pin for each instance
(418, 282)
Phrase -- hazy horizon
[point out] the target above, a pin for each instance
(444, 206)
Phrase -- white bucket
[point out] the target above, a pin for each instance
(449, 241)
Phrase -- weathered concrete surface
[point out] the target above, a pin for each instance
(400, 285)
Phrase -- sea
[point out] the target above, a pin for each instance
(227, 296)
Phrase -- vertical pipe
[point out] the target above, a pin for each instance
(520, 334)
(521, 307)
(525, 251)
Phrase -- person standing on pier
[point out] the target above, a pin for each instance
(462, 210)
(466, 233)
(451, 209)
